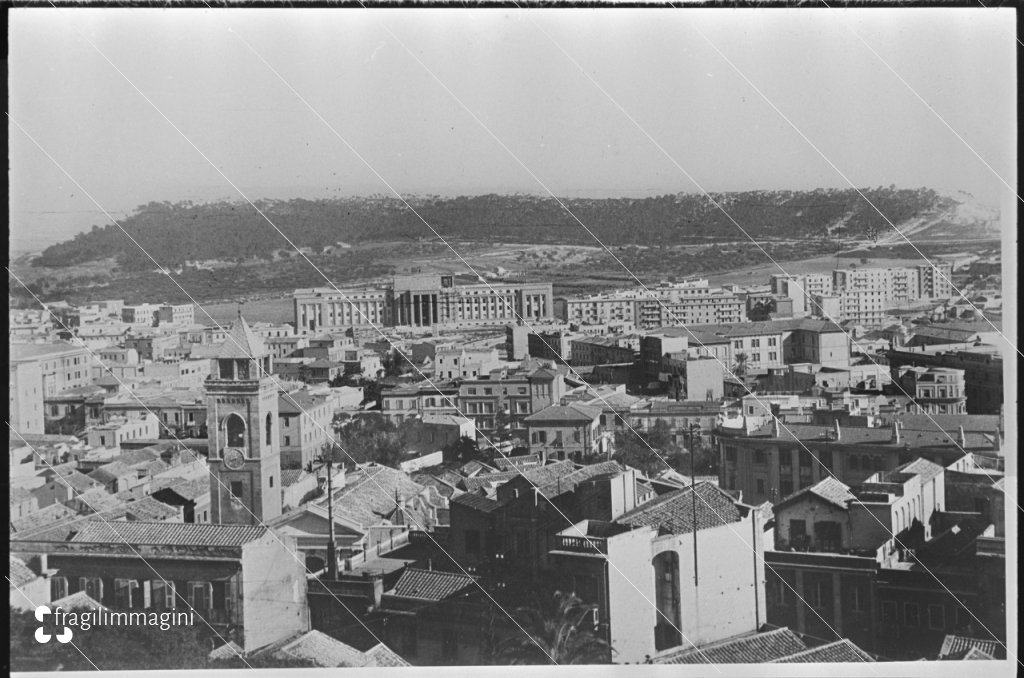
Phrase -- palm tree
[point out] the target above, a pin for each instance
(739, 368)
(561, 631)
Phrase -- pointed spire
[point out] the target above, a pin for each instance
(242, 342)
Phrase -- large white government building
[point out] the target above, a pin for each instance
(420, 301)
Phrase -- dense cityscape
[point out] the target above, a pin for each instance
(805, 469)
(503, 339)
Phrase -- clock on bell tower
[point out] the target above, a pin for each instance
(241, 411)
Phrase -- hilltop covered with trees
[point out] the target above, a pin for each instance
(186, 231)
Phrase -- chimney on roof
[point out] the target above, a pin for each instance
(962, 437)
(896, 432)
(837, 432)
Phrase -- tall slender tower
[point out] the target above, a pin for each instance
(241, 415)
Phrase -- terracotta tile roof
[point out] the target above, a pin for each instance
(20, 573)
(149, 509)
(954, 645)
(321, 650)
(673, 512)
(921, 467)
(173, 534)
(477, 502)
(830, 490)
(756, 648)
(188, 489)
(430, 584)
(542, 475)
(572, 413)
(477, 483)
(979, 423)
(521, 462)
(369, 494)
(840, 652)
(382, 655)
(44, 517)
(571, 480)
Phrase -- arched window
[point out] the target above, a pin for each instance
(234, 426)
(853, 462)
(270, 428)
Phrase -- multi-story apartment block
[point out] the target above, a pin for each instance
(801, 289)
(605, 350)
(141, 315)
(776, 460)
(408, 401)
(934, 390)
(567, 432)
(304, 427)
(555, 345)
(176, 314)
(26, 398)
(982, 367)
(885, 564)
(686, 303)
(61, 366)
(421, 301)
(514, 394)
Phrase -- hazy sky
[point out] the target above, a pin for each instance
(356, 69)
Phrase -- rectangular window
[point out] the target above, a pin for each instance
(58, 588)
(125, 592)
(760, 486)
(163, 596)
(760, 458)
(93, 587)
(287, 441)
(200, 595)
(236, 488)
(797, 531)
(911, 615)
(936, 617)
(857, 598)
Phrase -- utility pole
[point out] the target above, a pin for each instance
(327, 460)
(693, 498)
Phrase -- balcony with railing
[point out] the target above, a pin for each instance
(587, 538)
